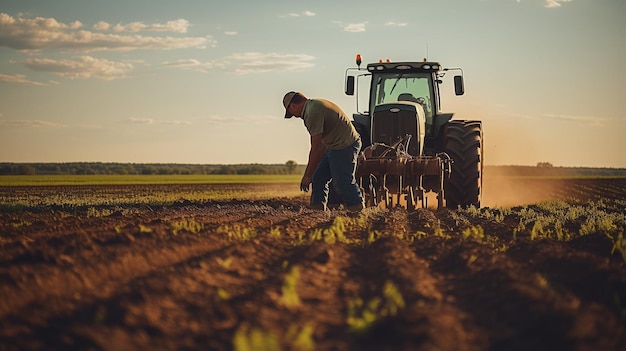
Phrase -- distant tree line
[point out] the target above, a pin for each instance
(80, 168)
(289, 167)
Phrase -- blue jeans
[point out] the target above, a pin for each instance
(340, 166)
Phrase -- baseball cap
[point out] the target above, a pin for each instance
(287, 101)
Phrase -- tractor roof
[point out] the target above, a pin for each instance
(404, 67)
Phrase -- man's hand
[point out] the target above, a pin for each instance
(304, 184)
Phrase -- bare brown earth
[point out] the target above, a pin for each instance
(269, 274)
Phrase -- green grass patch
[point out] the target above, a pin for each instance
(137, 179)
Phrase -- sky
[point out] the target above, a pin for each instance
(191, 81)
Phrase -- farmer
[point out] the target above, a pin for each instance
(335, 145)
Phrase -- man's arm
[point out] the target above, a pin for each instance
(315, 156)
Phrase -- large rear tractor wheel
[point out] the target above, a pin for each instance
(463, 142)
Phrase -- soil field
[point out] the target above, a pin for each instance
(109, 268)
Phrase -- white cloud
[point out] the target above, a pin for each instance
(549, 3)
(22, 79)
(138, 120)
(23, 123)
(91, 126)
(554, 3)
(244, 120)
(231, 33)
(47, 33)
(152, 121)
(192, 64)
(300, 14)
(81, 67)
(592, 120)
(176, 26)
(249, 62)
(176, 122)
(101, 26)
(256, 62)
(396, 24)
(76, 25)
(355, 27)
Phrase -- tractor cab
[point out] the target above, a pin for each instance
(402, 83)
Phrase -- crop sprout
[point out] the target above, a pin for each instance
(237, 232)
(99, 212)
(475, 232)
(21, 223)
(144, 229)
(334, 233)
(275, 232)
(302, 339)
(290, 298)
(222, 294)
(619, 244)
(224, 263)
(497, 214)
(248, 338)
(187, 224)
(363, 314)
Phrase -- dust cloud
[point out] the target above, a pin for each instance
(511, 191)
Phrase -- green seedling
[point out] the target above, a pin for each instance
(224, 263)
(393, 300)
(21, 223)
(334, 233)
(254, 339)
(475, 232)
(237, 232)
(362, 315)
(290, 298)
(223, 294)
(144, 229)
(471, 260)
(302, 339)
(275, 232)
(186, 224)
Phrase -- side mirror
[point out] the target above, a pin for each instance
(459, 88)
(350, 85)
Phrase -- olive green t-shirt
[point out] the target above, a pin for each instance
(323, 116)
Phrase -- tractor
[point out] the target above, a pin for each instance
(410, 148)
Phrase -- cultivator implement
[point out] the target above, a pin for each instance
(389, 176)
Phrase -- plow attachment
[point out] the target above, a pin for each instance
(389, 176)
